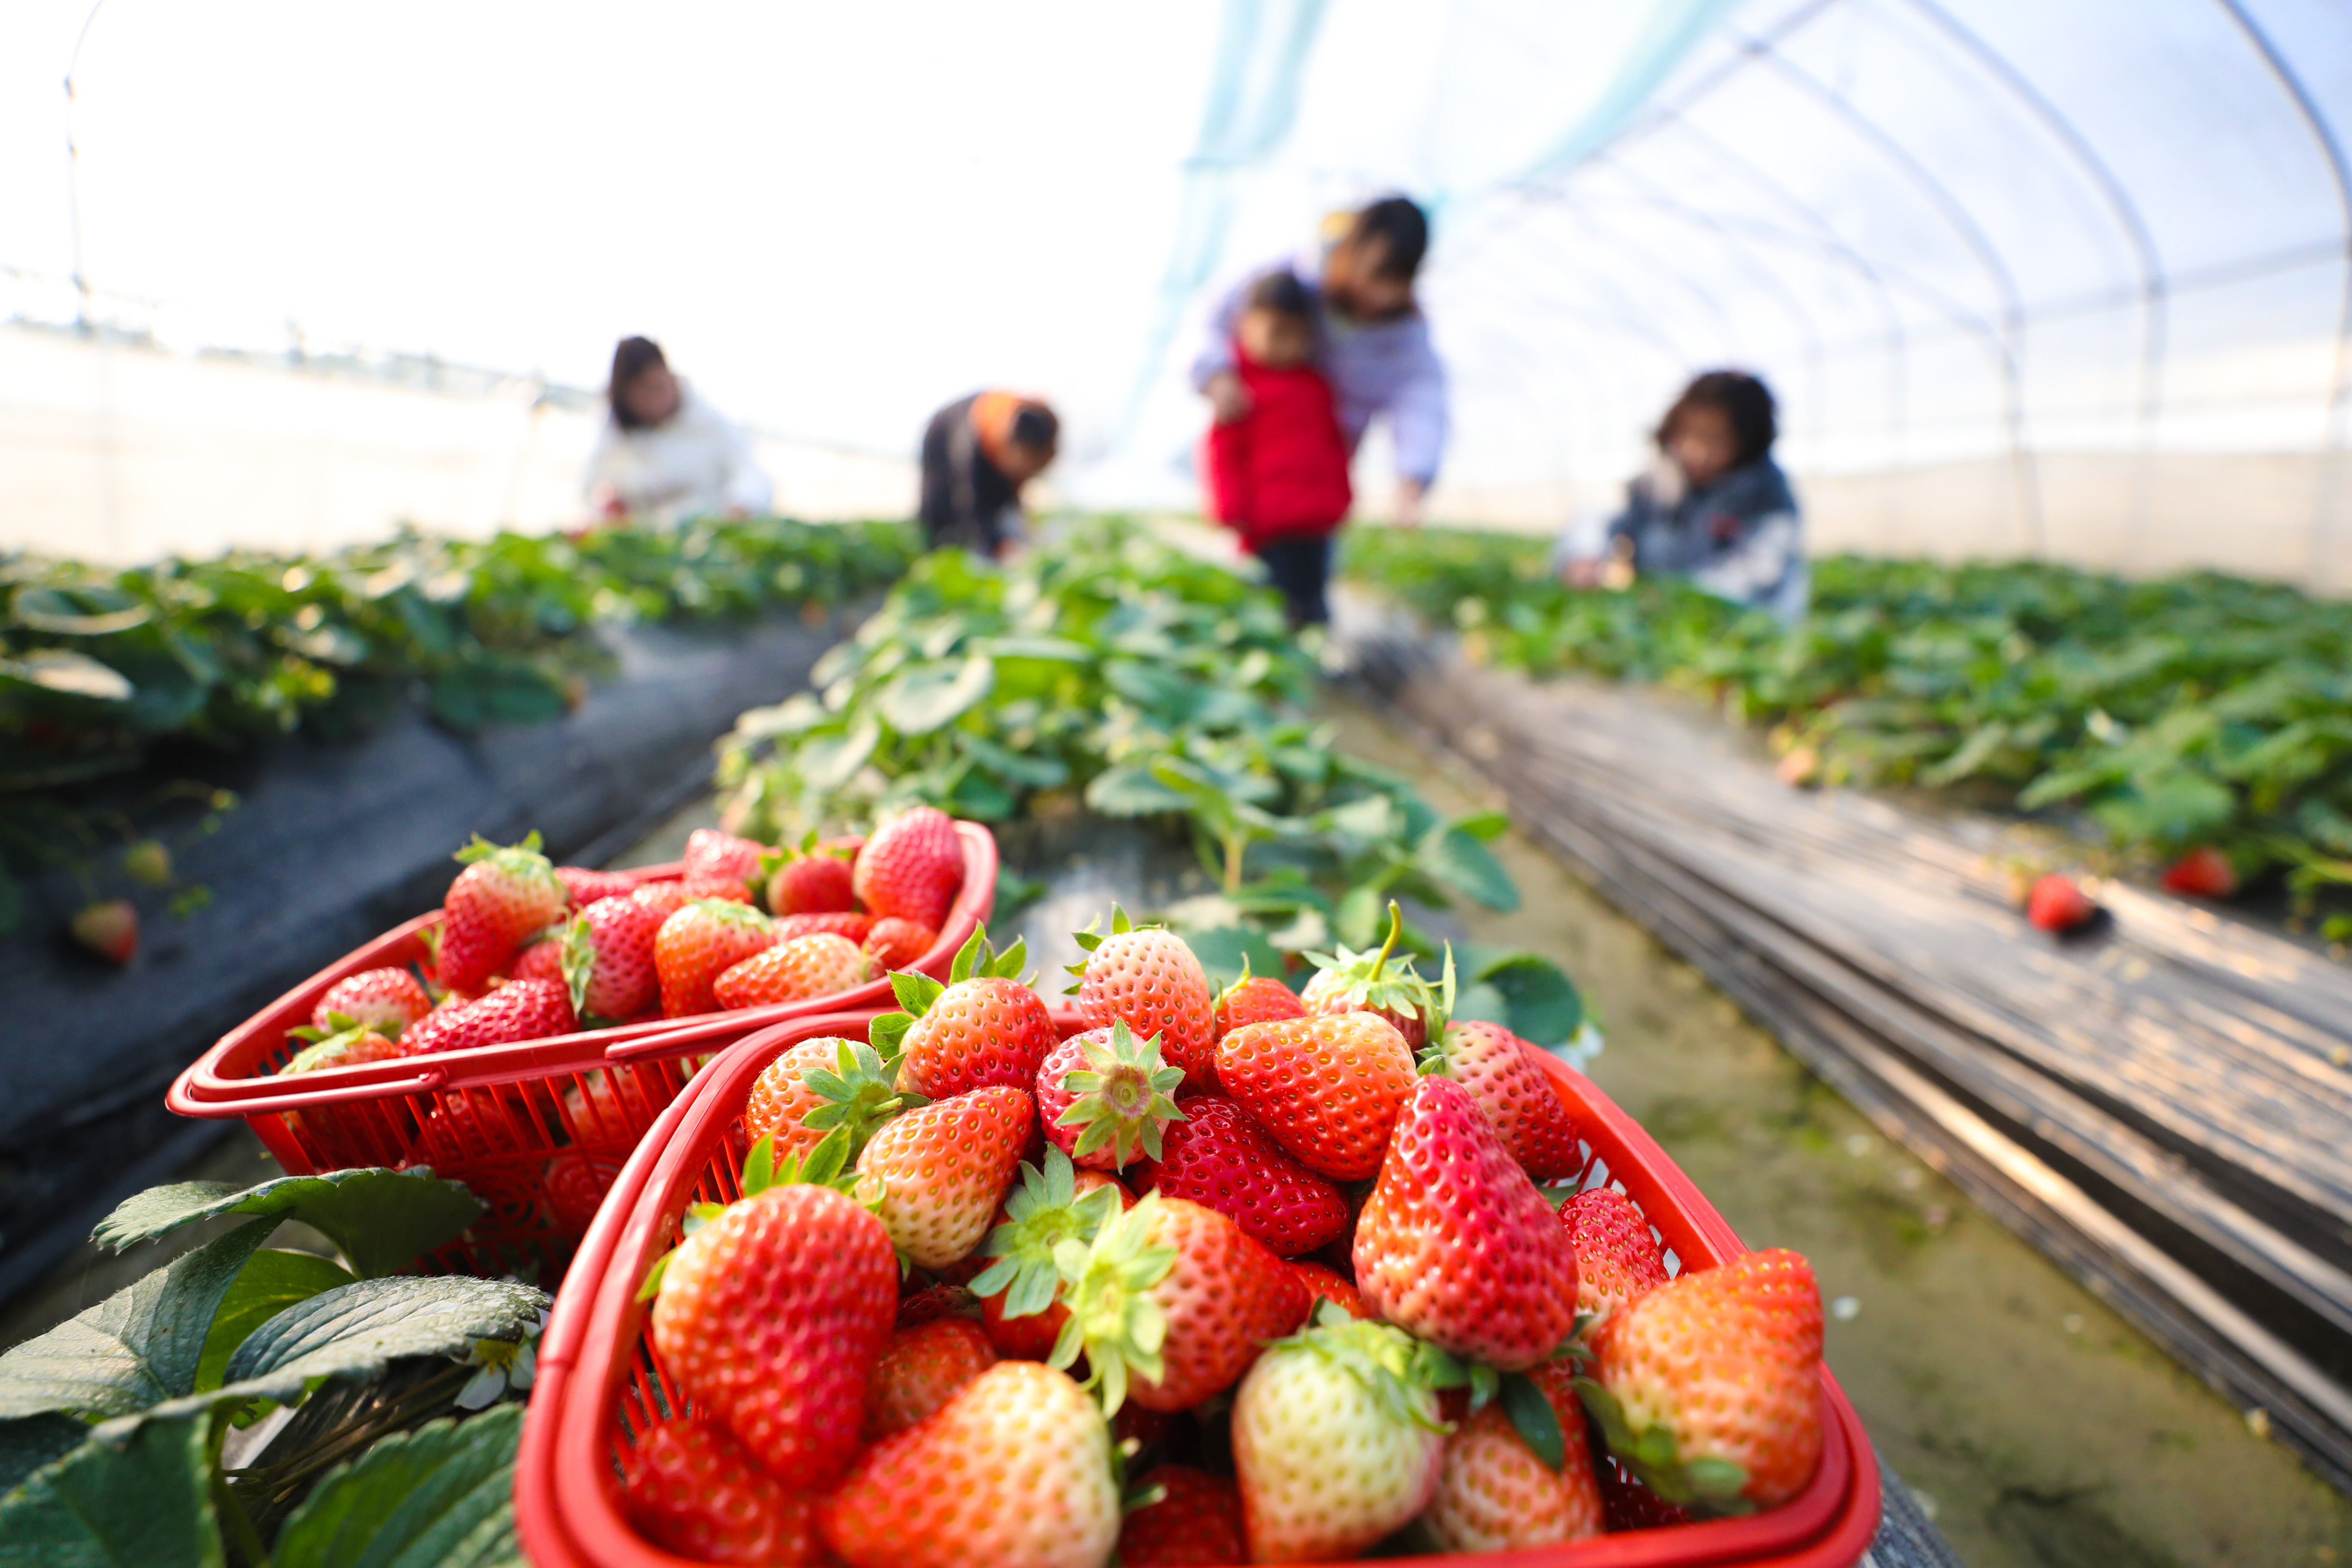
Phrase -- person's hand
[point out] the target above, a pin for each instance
(606, 504)
(1584, 571)
(1409, 497)
(1229, 400)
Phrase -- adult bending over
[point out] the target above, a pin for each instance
(1715, 508)
(1370, 340)
(977, 453)
(665, 455)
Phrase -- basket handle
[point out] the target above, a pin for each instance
(269, 1105)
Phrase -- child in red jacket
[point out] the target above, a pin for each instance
(1278, 475)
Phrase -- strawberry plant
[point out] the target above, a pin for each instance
(2201, 712)
(131, 1432)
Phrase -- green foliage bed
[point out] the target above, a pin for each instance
(2184, 710)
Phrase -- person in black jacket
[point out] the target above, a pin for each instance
(978, 452)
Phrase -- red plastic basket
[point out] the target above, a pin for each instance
(598, 1382)
(538, 1131)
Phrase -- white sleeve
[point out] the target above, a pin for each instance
(1418, 418)
(748, 485)
(1213, 334)
(1760, 564)
(601, 465)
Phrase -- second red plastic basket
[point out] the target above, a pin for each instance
(539, 1131)
(598, 1380)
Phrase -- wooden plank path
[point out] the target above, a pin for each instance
(2164, 1106)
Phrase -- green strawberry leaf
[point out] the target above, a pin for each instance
(28, 1443)
(1539, 1002)
(760, 1166)
(379, 1219)
(1534, 1419)
(273, 1279)
(140, 1346)
(1707, 1486)
(579, 961)
(355, 1332)
(1453, 856)
(916, 992)
(147, 1500)
(1007, 965)
(440, 1496)
(887, 1029)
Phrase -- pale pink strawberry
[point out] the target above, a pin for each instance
(1149, 981)
(940, 1171)
(498, 901)
(1455, 1244)
(386, 1000)
(711, 853)
(912, 867)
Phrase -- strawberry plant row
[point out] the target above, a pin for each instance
(2201, 721)
(98, 667)
(1109, 671)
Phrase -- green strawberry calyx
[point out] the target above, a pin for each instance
(1398, 1371)
(518, 862)
(578, 962)
(1125, 1095)
(1090, 938)
(825, 1165)
(1114, 1317)
(1382, 980)
(916, 992)
(860, 1093)
(336, 1039)
(1705, 1485)
(1438, 1015)
(1046, 1210)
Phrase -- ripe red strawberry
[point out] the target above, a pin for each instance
(2056, 904)
(1197, 1521)
(770, 1316)
(921, 1369)
(1337, 1442)
(912, 867)
(524, 1010)
(933, 1303)
(703, 941)
(1627, 1504)
(584, 886)
(339, 1042)
(711, 885)
(608, 958)
(1172, 1305)
(711, 853)
(813, 883)
(985, 1030)
(1456, 1246)
(110, 929)
(1382, 982)
(942, 1169)
(540, 958)
(576, 1185)
(852, 926)
(688, 1486)
(893, 943)
(1325, 1285)
(2204, 873)
(1617, 1258)
(1015, 1469)
(498, 901)
(1496, 1494)
(1327, 1088)
(1018, 1291)
(1709, 1387)
(1504, 1077)
(1149, 980)
(1223, 1158)
(1255, 999)
(1104, 1099)
(386, 1000)
(795, 971)
(818, 1085)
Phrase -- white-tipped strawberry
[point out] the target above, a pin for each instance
(1382, 982)
(1104, 1097)
(1150, 980)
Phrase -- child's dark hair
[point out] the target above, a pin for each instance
(1035, 426)
(1744, 400)
(1403, 230)
(632, 359)
(1280, 292)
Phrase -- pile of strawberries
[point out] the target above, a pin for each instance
(1249, 1276)
(527, 951)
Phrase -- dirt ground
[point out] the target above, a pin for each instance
(2039, 1429)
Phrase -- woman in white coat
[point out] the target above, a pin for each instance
(665, 455)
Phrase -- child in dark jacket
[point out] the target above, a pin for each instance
(1278, 475)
